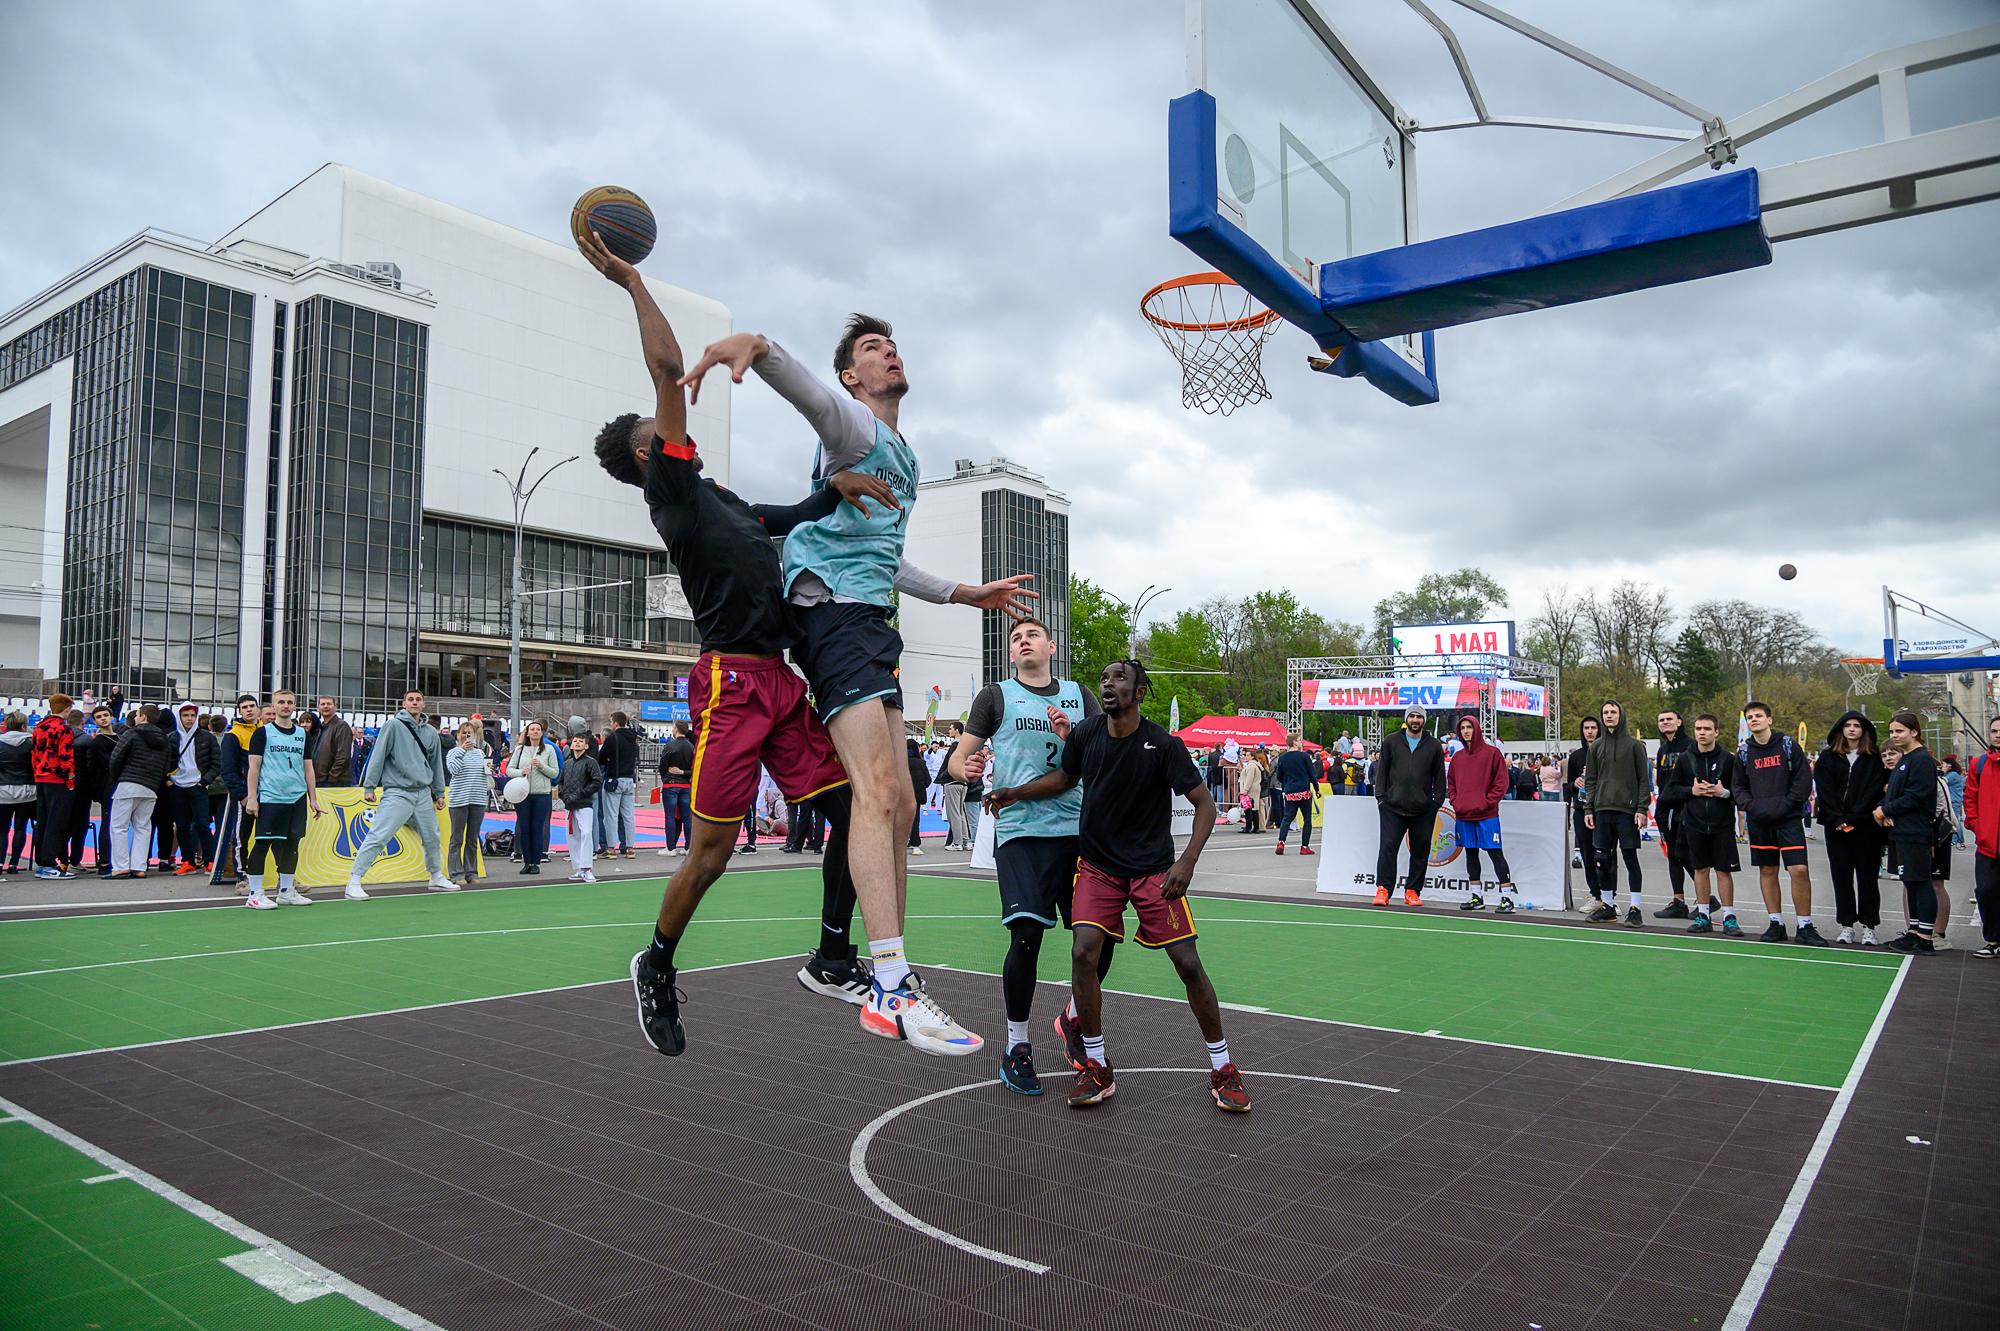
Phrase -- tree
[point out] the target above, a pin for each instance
(1626, 627)
(1758, 637)
(1461, 596)
(1099, 631)
(1694, 672)
(1556, 634)
(1184, 657)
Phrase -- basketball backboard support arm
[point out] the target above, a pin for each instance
(1896, 662)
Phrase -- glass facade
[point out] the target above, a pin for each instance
(354, 494)
(1018, 534)
(468, 573)
(274, 450)
(153, 546)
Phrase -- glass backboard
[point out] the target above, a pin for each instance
(1313, 161)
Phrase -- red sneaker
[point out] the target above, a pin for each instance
(1281, 847)
(1305, 850)
(1381, 896)
(183, 868)
(1226, 1085)
(1093, 1084)
(1411, 898)
(1071, 1036)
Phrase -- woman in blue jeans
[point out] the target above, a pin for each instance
(533, 759)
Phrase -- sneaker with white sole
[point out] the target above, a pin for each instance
(908, 1012)
(440, 883)
(1868, 938)
(258, 901)
(1845, 936)
(353, 891)
(291, 896)
(1940, 943)
(586, 877)
(576, 877)
(846, 980)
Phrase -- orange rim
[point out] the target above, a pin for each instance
(1245, 324)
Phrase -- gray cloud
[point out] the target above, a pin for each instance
(992, 179)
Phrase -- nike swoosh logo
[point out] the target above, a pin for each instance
(1149, 746)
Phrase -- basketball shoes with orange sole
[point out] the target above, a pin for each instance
(1226, 1085)
(908, 1012)
(1381, 896)
(1411, 898)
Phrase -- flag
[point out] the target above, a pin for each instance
(930, 711)
(1742, 729)
(1174, 716)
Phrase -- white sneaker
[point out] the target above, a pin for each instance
(1868, 937)
(1846, 936)
(576, 877)
(586, 877)
(1940, 943)
(916, 850)
(353, 891)
(908, 1012)
(440, 883)
(291, 896)
(663, 852)
(258, 901)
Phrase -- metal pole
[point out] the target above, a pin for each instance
(521, 496)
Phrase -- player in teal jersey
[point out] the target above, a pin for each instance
(281, 787)
(839, 573)
(1026, 719)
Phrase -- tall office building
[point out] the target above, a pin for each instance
(269, 460)
(992, 519)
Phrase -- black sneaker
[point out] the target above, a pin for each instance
(1473, 902)
(1506, 906)
(1990, 950)
(1701, 924)
(1773, 933)
(1017, 1071)
(1810, 936)
(1634, 920)
(659, 1006)
(1072, 1037)
(847, 980)
(746, 850)
(1714, 903)
(1730, 928)
(1601, 913)
(1914, 943)
(1676, 909)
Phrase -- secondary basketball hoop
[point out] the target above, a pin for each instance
(1864, 675)
(1217, 331)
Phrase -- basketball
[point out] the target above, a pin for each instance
(618, 215)
(1788, 571)
(516, 790)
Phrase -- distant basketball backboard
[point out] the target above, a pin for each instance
(1921, 639)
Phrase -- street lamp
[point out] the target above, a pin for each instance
(521, 497)
(1138, 607)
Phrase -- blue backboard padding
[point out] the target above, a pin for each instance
(1662, 236)
(1194, 220)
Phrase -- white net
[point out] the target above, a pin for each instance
(1863, 677)
(1217, 331)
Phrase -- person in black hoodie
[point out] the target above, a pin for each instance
(1850, 779)
(1409, 791)
(1618, 788)
(1701, 785)
(1674, 742)
(1587, 732)
(1909, 813)
(1773, 780)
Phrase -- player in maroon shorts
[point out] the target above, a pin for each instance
(1131, 769)
(750, 707)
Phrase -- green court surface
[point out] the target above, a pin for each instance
(82, 1249)
(1781, 1013)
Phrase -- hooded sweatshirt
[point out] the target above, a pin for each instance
(53, 755)
(1982, 802)
(1911, 798)
(1850, 788)
(1706, 814)
(1773, 779)
(142, 757)
(1410, 781)
(1665, 759)
(17, 773)
(1617, 776)
(407, 757)
(1477, 778)
(235, 758)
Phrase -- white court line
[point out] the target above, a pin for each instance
(363, 1016)
(857, 1160)
(102, 1178)
(1455, 1039)
(1766, 1265)
(305, 1267)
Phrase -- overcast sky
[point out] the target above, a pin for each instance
(994, 183)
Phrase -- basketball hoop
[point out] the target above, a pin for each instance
(1217, 332)
(1864, 674)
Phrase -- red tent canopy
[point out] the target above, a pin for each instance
(1248, 731)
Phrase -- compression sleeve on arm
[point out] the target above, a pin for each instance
(924, 586)
(845, 428)
(778, 519)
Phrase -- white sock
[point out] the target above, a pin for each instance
(1804, 920)
(1701, 909)
(1633, 901)
(256, 884)
(1777, 917)
(1017, 1032)
(285, 882)
(1218, 1054)
(1093, 1047)
(890, 964)
(1069, 1010)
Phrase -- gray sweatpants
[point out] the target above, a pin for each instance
(398, 809)
(954, 815)
(132, 826)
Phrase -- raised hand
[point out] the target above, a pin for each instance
(856, 487)
(1058, 723)
(738, 351)
(593, 248)
(1007, 595)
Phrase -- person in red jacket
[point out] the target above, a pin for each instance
(53, 759)
(1476, 781)
(1982, 819)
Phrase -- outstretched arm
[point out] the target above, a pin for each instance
(847, 487)
(846, 429)
(1044, 787)
(1008, 595)
(656, 340)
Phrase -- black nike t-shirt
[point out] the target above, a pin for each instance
(722, 549)
(1128, 794)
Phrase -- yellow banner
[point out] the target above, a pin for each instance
(335, 836)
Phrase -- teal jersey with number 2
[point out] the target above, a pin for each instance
(856, 556)
(1025, 747)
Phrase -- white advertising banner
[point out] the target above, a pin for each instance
(1532, 833)
(1383, 693)
(1471, 641)
(982, 840)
